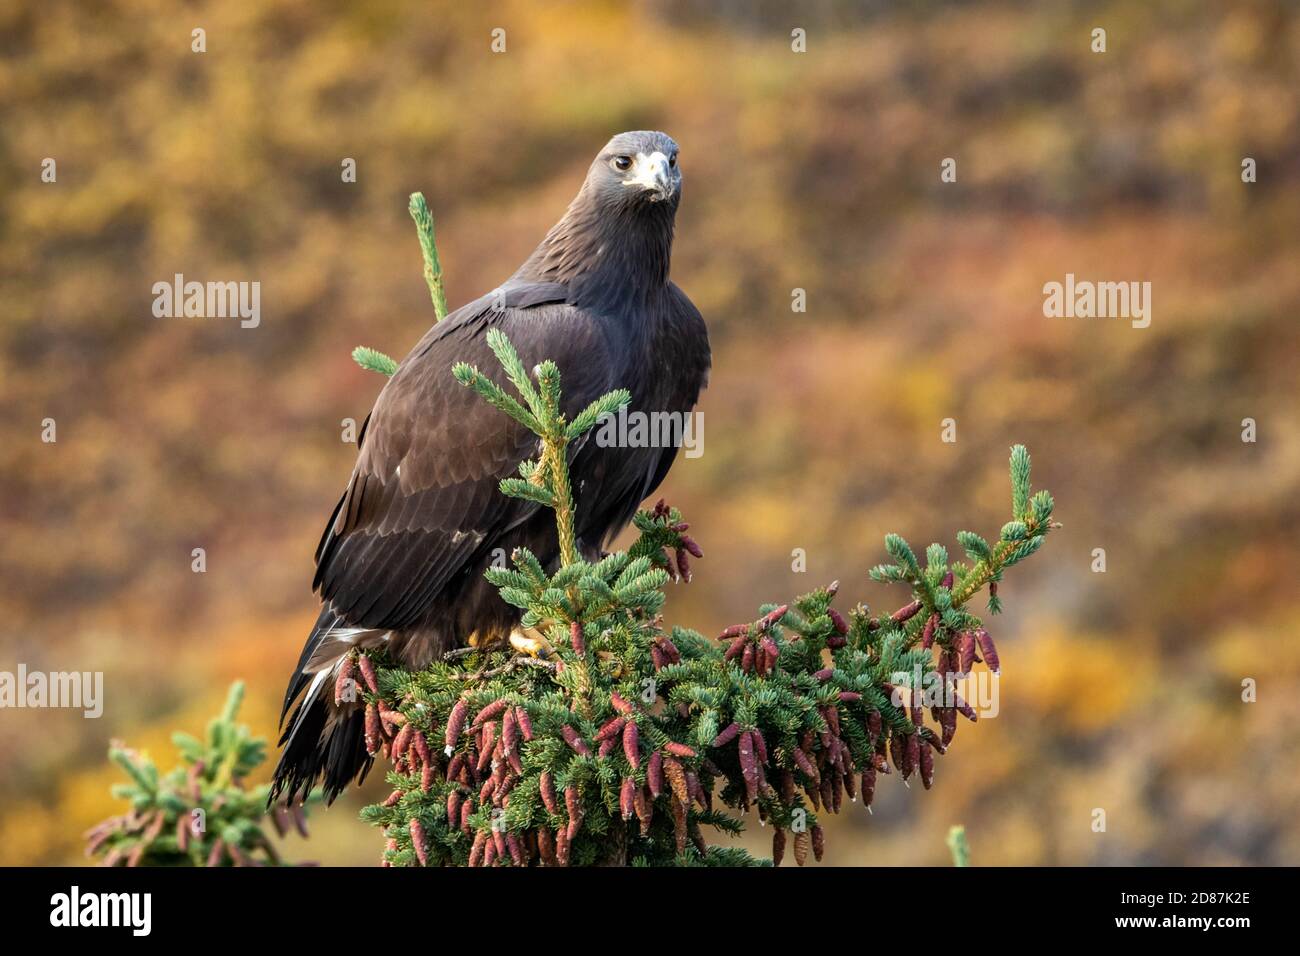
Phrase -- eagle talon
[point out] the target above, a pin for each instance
(530, 641)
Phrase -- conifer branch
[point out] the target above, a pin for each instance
(615, 749)
(200, 813)
(372, 360)
(419, 210)
(958, 846)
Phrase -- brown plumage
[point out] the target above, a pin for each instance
(402, 557)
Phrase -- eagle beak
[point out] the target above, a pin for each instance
(652, 174)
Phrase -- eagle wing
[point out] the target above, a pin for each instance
(423, 498)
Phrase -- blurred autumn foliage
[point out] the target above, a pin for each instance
(819, 171)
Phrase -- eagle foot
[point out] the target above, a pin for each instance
(530, 641)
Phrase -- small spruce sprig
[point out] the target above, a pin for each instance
(622, 741)
(546, 480)
(419, 210)
(958, 846)
(200, 813)
(372, 360)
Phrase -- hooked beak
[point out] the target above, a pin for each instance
(651, 173)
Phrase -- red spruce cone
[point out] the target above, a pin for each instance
(831, 715)
(643, 804)
(905, 612)
(611, 728)
(374, 732)
(455, 724)
(965, 709)
(787, 787)
(670, 649)
(368, 673)
(516, 849)
(801, 760)
(547, 787)
(679, 824)
(966, 652)
(632, 744)
(490, 712)
(726, 735)
(837, 621)
(655, 774)
(927, 763)
(748, 765)
(562, 847)
(509, 733)
(421, 746)
(801, 847)
(476, 851)
(627, 798)
(927, 635)
(342, 683)
(677, 780)
(419, 842)
(525, 722)
(988, 650)
(573, 803)
(898, 753)
(401, 742)
(573, 740)
(546, 846)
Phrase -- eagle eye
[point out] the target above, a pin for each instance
(672, 161)
(623, 163)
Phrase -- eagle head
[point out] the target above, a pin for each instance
(637, 167)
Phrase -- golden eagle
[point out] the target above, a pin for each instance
(400, 564)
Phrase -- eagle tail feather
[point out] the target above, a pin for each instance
(324, 740)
